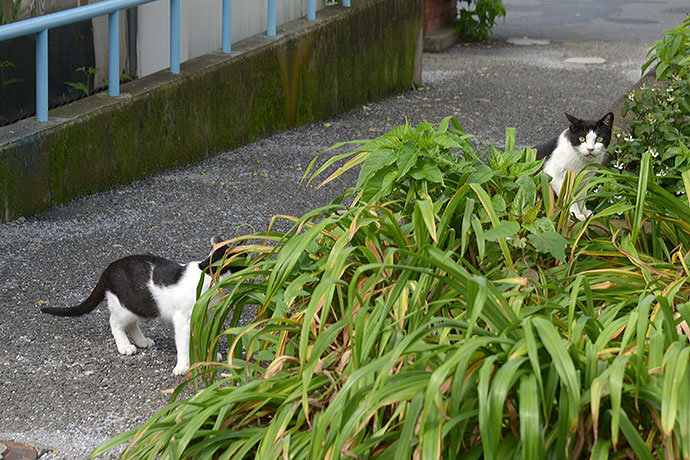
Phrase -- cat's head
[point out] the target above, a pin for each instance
(220, 247)
(591, 138)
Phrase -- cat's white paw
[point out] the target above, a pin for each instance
(580, 214)
(127, 349)
(180, 369)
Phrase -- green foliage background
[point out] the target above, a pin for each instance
(451, 309)
(446, 306)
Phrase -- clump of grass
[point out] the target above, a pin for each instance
(450, 310)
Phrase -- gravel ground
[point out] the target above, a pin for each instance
(64, 388)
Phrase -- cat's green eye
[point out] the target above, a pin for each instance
(581, 139)
(600, 139)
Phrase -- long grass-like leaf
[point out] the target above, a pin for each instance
(563, 365)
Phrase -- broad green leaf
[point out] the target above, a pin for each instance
(481, 175)
(376, 160)
(502, 230)
(428, 171)
(407, 156)
(550, 242)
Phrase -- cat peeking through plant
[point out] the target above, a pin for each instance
(146, 286)
(583, 143)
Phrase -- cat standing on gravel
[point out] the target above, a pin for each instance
(147, 286)
(583, 143)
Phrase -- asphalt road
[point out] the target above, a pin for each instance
(64, 388)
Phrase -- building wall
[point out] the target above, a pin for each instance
(438, 13)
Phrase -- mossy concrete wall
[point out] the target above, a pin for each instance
(310, 71)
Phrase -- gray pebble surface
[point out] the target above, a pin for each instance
(64, 388)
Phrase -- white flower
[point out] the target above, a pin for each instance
(670, 99)
(619, 166)
(652, 152)
(661, 173)
(628, 138)
(631, 96)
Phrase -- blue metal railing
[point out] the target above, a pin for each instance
(40, 26)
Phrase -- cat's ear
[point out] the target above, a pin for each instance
(573, 120)
(607, 120)
(217, 240)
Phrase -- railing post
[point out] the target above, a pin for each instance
(311, 10)
(175, 36)
(114, 53)
(227, 26)
(271, 18)
(42, 76)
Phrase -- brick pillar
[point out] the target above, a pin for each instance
(437, 14)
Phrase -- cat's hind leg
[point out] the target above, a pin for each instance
(136, 335)
(120, 320)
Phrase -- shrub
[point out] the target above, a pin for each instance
(449, 310)
(661, 115)
(476, 21)
(672, 52)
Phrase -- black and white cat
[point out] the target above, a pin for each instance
(583, 143)
(146, 286)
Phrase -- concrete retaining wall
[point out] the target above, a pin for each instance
(310, 71)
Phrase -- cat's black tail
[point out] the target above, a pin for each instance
(83, 308)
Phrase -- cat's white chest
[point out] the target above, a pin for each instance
(566, 158)
(178, 298)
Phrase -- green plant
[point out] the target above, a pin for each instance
(4, 81)
(660, 123)
(84, 86)
(449, 310)
(9, 11)
(476, 21)
(123, 77)
(672, 51)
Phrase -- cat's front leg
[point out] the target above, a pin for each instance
(181, 324)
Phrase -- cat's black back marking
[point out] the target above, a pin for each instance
(128, 279)
(545, 149)
(166, 272)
